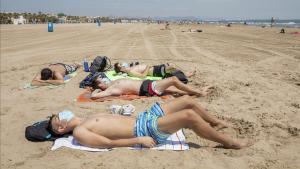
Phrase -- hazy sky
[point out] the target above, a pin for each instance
(205, 9)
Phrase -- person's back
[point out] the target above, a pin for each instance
(58, 68)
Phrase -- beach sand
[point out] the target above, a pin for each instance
(256, 72)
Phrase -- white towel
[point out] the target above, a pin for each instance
(175, 142)
(72, 143)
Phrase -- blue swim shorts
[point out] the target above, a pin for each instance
(146, 124)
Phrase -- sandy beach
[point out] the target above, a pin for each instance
(255, 71)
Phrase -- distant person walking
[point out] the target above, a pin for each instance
(167, 26)
(272, 21)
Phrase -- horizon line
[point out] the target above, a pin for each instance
(190, 17)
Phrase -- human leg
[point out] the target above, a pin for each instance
(71, 68)
(162, 85)
(187, 102)
(171, 67)
(189, 119)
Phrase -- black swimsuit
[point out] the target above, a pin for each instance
(69, 68)
(159, 70)
(146, 89)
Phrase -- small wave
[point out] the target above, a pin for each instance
(290, 23)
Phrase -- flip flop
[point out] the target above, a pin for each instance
(125, 110)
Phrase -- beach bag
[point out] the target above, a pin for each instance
(100, 64)
(89, 79)
(179, 74)
(39, 132)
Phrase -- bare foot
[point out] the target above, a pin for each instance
(206, 90)
(239, 144)
(220, 125)
(78, 65)
(191, 74)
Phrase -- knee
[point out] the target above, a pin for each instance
(186, 97)
(170, 66)
(174, 79)
(190, 116)
(188, 101)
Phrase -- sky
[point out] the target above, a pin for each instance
(203, 9)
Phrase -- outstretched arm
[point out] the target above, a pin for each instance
(46, 82)
(37, 81)
(105, 93)
(99, 94)
(90, 139)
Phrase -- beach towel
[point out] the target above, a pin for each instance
(295, 33)
(112, 75)
(86, 97)
(67, 78)
(175, 142)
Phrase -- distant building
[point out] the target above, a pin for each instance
(90, 19)
(62, 19)
(124, 21)
(19, 21)
(83, 19)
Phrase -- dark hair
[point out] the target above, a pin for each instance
(50, 128)
(95, 84)
(46, 74)
(117, 67)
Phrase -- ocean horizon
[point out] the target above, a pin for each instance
(290, 23)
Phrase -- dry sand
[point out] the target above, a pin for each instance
(256, 72)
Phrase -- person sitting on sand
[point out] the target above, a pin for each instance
(149, 128)
(143, 70)
(54, 74)
(143, 87)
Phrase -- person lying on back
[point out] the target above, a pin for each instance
(149, 128)
(143, 70)
(54, 74)
(144, 87)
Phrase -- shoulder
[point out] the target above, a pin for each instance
(79, 131)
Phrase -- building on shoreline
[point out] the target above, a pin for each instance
(19, 21)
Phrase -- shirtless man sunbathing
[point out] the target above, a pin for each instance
(148, 128)
(144, 87)
(54, 74)
(142, 70)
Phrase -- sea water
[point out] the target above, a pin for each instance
(291, 23)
